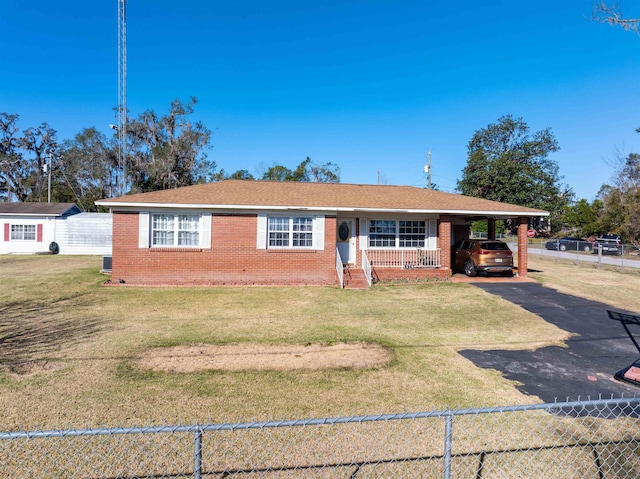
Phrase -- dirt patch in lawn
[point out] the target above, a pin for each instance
(257, 357)
(29, 367)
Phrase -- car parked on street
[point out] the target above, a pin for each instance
(569, 244)
(475, 256)
(609, 244)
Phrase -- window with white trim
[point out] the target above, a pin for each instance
(411, 234)
(397, 233)
(290, 232)
(382, 234)
(175, 230)
(23, 232)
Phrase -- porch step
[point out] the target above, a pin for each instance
(354, 278)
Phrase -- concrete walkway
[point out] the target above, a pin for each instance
(599, 348)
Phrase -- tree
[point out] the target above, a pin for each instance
(508, 164)
(611, 15)
(168, 151)
(87, 169)
(24, 159)
(9, 155)
(620, 213)
(241, 175)
(325, 173)
(41, 147)
(612, 213)
(236, 175)
(305, 171)
(278, 173)
(629, 174)
(584, 217)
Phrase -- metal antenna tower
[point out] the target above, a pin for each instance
(122, 96)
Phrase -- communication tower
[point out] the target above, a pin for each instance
(122, 97)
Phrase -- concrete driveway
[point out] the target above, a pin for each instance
(600, 347)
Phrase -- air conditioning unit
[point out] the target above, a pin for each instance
(106, 264)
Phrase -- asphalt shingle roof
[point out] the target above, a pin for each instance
(39, 209)
(332, 196)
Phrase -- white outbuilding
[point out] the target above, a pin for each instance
(33, 228)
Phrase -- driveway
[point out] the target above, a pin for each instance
(599, 348)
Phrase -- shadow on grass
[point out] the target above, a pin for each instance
(31, 330)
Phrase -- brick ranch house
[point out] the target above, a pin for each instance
(238, 232)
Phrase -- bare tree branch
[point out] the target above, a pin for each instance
(612, 15)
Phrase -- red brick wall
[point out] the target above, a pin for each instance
(444, 241)
(232, 260)
(523, 246)
(410, 275)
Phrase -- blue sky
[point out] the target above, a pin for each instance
(368, 85)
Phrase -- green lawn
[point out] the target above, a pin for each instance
(69, 347)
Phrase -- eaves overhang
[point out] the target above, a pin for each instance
(33, 215)
(333, 209)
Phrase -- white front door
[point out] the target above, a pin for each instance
(346, 239)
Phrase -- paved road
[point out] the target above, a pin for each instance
(600, 347)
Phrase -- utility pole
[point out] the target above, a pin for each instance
(46, 169)
(122, 96)
(427, 169)
(49, 180)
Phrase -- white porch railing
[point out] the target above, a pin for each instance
(404, 258)
(366, 267)
(339, 268)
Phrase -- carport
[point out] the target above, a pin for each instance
(461, 231)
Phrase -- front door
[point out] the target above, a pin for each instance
(346, 239)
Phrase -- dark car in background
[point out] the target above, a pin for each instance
(475, 256)
(609, 244)
(569, 244)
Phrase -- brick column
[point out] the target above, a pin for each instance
(523, 246)
(444, 241)
(491, 228)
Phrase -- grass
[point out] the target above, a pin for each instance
(69, 346)
(615, 286)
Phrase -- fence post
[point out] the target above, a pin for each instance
(197, 453)
(448, 427)
(541, 246)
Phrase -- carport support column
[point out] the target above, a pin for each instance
(523, 246)
(491, 228)
(444, 241)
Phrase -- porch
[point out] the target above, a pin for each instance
(426, 262)
(403, 258)
(391, 264)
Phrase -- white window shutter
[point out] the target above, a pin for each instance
(143, 229)
(262, 232)
(433, 234)
(364, 228)
(318, 233)
(205, 231)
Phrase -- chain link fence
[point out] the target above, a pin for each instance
(622, 256)
(584, 439)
